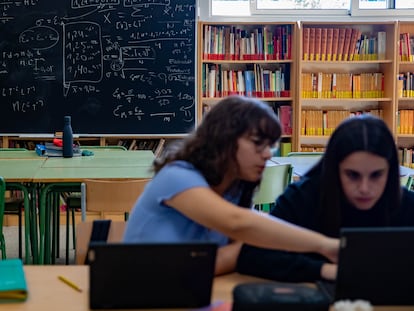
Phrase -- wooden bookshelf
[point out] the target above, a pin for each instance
(251, 59)
(355, 78)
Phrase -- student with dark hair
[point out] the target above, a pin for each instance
(200, 185)
(355, 184)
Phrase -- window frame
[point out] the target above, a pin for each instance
(205, 12)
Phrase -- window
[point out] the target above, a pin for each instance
(395, 8)
(234, 8)
(230, 7)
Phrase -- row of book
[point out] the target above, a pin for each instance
(405, 84)
(405, 121)
(406, 47)
(257, 82)
(284, 113)
(342, 85)
(405, 157)
(233, 43)
(312, 148)
(323, 123)
(342, 44)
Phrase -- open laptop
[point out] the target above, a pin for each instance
(150, 275)
(375, 264)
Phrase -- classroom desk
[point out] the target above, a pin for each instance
(18, 173)
(47, 293)
(55, 174)
(301, 164)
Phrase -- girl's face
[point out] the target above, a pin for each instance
(252, 154)
(363, 176)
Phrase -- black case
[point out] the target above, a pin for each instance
(273, 296)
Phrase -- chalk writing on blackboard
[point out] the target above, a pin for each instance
(117, 67)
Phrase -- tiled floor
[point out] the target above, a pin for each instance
(12, 244)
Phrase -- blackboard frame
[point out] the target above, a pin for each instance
(36, 93)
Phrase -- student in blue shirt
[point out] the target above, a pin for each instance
(200, 185)
(355, 184)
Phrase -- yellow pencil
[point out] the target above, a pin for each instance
(73, 285)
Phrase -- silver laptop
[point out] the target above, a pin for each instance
(150, 275)
(375, 264)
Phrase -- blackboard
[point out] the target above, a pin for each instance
(114, 66)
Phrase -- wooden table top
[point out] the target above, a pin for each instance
(48, 293)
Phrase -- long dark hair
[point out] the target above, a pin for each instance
(212, 147)
(360, 133)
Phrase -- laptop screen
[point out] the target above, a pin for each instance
(376, 264)
(151, 275)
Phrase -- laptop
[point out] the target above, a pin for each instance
(375, 264)
(150, 275)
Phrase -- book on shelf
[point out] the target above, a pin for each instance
(335, 41)
(285, 117)
(341, 43)
(13, 286)
(353, 47)
(318, 44)
(324, 43)
(312, 40)
(382, 44)
(306, 34)
(329, 43)
(347, 44)
(285, 147)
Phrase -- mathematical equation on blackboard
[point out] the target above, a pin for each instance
(128, 63)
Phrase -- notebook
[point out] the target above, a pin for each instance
(13, 286)
(150, 275)
(375, 264)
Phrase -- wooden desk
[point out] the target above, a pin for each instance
(47, 293)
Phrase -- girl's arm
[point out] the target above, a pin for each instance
(226, 258)
(207, 208)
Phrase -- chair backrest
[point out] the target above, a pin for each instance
(304, 154)
(114, 147)
(111, 195)
(274, 181)
(83, 236)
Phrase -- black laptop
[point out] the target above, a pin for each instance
(375, 264)
(150, 275)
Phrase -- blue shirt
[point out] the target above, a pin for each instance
(151, 220)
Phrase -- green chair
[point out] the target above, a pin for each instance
(2, 241)
(407, 181)
(303, 154)
(274, 181)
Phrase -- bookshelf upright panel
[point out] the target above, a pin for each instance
(344, 69)
(251, 59)
(405, 92)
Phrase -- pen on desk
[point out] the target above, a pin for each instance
(73, 285)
